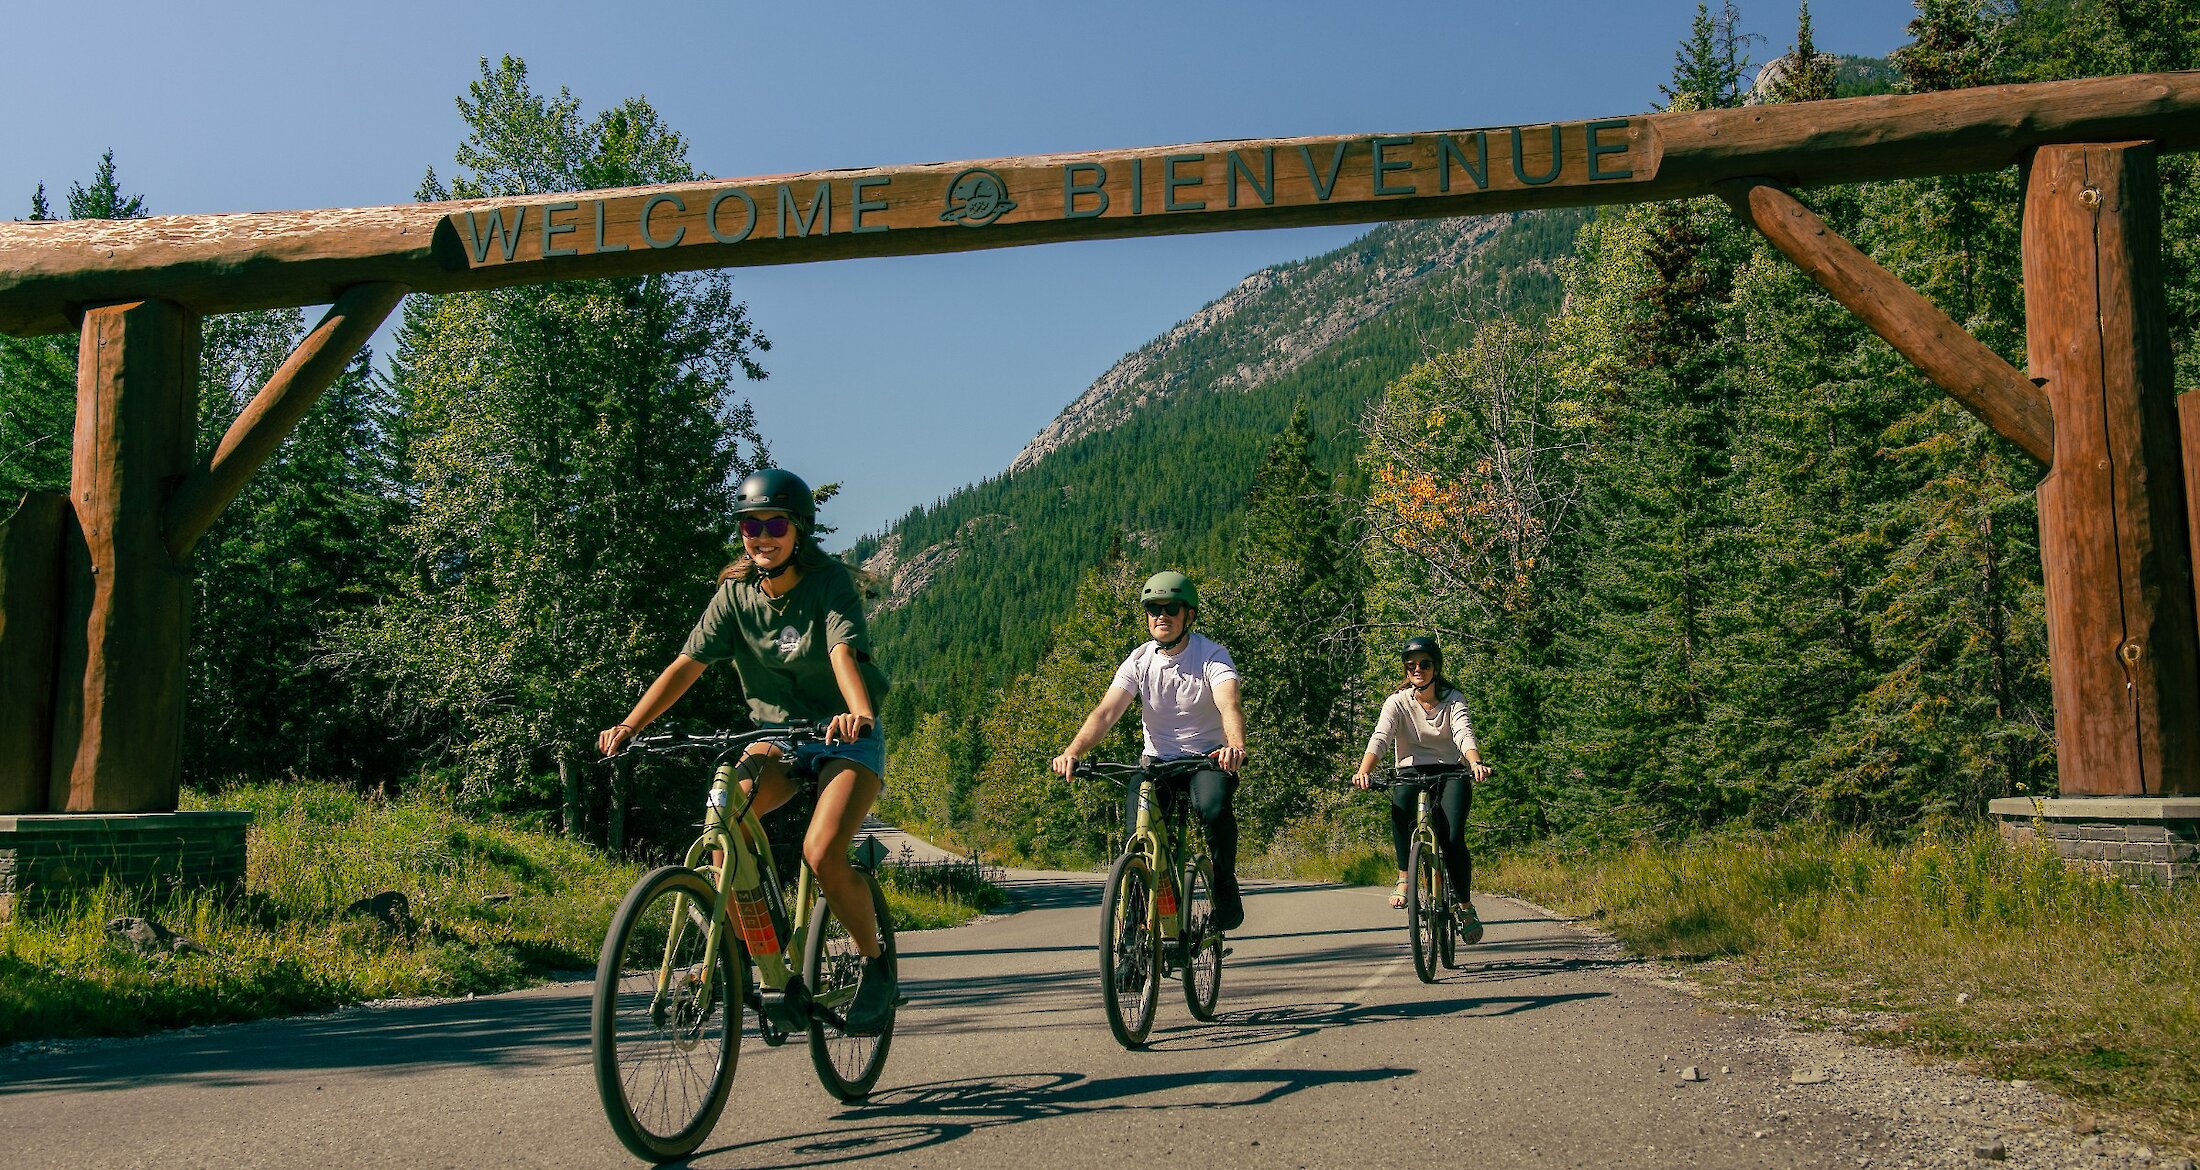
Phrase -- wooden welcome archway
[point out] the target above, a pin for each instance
(93, 627)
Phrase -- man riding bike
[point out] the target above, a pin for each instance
(1426, 721)
(1187, 690)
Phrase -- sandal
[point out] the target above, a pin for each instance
(1398, 897)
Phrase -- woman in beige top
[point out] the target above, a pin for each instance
(1426, 723)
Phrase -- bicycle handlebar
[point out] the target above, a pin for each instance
(675, 741)
(1391, 775)
(1121, 774)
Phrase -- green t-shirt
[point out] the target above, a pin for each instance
(781, 646)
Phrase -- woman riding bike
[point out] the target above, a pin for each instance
(790, 620)
(1426, 721)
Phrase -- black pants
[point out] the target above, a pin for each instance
(1447, 815)
(1210, 790)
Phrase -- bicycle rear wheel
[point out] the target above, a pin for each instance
(1130, 959)
(665, 1050)
(848, 1066)
(1203, 956)
(1424, 899)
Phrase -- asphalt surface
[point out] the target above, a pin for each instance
(1545, 1051)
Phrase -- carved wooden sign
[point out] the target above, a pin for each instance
(1195, 181)
(51, 272)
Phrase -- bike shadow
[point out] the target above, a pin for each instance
(915, 1117)
(1286, 1022)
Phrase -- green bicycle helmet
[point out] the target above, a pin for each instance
(774, 490)
(1170, 585)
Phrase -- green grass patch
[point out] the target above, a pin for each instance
(2071, 978)
(1323, 847)
(499, 906)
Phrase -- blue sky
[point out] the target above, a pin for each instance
(903, 378)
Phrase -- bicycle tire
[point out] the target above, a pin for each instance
(1130, 953)
(1447, 939)
(1203, 961)
(848, 1066)
(641, 1043)
(1424, 893)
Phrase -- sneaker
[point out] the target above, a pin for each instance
(876, 996)
(1229, 909)
(1470, 923)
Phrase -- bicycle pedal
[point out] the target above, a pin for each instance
(903, 1001)
(1228, 951)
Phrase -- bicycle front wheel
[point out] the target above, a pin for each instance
(665, 1024)
(1424, 909)
(1203, 956)
(848, 1066)
(1130, 959)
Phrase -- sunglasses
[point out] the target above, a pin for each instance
(1417, 664)
(776, 526)
(1164, 608)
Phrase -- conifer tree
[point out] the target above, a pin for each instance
(570, 451)
(38, 374)
(1709, 66)
(1290, 617)
(1020, 807)
(1805, 74)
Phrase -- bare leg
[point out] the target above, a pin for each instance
(845, 794)
(773, 788)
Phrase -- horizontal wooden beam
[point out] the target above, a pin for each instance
(260, 427)
(226, 263)
(1982, 380)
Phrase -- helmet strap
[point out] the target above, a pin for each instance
(1169, 647)
(777, 573)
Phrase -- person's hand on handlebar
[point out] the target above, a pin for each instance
(1481, 771)
(848, 727)
(1230, 758)
(612, 738)
(1064, 765)
(1361, 780)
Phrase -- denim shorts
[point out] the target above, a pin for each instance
(868, 752)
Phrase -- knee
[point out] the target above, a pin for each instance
(826, 858)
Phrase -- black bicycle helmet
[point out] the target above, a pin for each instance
(774, 490)
(1426, 645)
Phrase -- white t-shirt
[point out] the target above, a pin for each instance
(1176, 695)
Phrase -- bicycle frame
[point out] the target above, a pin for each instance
(749, 865)
(1164, 841)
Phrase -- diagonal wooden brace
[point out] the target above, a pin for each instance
(1987, 386)
(311, 369)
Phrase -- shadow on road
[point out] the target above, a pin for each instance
(1051, 891)
(1243, 1029)
(505, 1030)
(920, 1116)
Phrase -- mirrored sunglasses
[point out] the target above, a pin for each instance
(776, 526)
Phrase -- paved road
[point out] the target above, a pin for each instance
(1546, 1051)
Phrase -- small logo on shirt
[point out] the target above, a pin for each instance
(790, 640)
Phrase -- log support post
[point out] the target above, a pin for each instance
(31, 541)
(2114, 534)
(2188, 423)
(118, 718)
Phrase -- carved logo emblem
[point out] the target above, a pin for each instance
(976, 198)
(790, 641)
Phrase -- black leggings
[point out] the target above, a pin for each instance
(1447, 815)
(1210, 789)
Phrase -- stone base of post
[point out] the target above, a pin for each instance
(2142, 839)
(47, 859)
